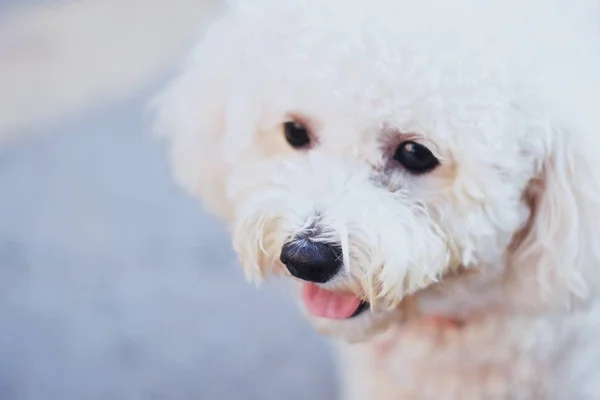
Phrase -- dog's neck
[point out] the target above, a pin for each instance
(443, 323)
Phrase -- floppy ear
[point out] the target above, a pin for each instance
(557, 257)
(192, 113)
(560, 249)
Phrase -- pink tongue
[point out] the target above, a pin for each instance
(327, 304)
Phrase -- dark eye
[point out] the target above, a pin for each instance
(415, 157)
(296, 134)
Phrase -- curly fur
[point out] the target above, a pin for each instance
(501, 237)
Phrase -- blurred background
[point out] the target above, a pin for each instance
(114, 284)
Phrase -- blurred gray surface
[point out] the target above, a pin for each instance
(5, 5)
(115, 285)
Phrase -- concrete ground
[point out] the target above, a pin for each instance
(113, 283)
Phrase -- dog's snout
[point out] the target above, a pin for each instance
(312, 261)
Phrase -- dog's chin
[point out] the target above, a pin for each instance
(343, 315)
(359, 328)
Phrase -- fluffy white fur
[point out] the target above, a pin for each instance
(502, 237)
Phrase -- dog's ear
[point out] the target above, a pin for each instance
(557, 256)
(192, 112)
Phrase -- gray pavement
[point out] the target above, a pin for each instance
(115, 285)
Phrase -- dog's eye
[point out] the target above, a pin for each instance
(415, 157)
(296, 134)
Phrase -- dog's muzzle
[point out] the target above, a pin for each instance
(314, 263)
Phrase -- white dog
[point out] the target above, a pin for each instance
(428, 171)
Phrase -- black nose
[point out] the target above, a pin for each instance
(312, 261)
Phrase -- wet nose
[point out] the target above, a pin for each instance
(312, 261)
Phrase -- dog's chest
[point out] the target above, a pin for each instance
(505, 359)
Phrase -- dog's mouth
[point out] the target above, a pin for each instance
(325, 303)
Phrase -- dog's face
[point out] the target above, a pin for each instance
(374, 163)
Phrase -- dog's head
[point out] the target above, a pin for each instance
(391, 152)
